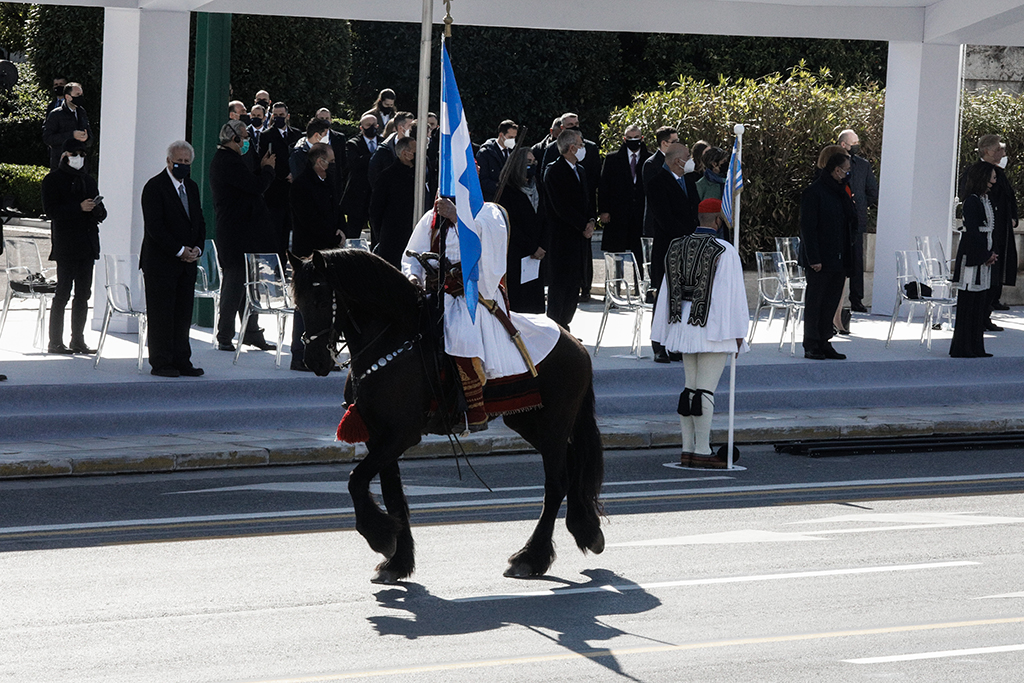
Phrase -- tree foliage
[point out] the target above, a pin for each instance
(997, 112)
(68, 42)
(788, 120)
(13, 16)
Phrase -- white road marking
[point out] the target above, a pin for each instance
(937, 655)
(741, 536)
(1004, 595)
(552, 592)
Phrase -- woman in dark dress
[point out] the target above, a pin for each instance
(519, 195)
(972, 274)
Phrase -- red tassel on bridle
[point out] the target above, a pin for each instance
(352, 429)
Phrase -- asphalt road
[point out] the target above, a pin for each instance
(902, 567)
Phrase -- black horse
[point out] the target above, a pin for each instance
(394, 379)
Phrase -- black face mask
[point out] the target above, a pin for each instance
(279, 122)
(531, 172)
(634, 145)
(263, 103)
(58, 90)
(370, 132)
(181, 171)
(854, 149)
(245, 118)
(386, 110)
(78, 101)
(257, 122)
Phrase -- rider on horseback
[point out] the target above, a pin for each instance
(481, 348)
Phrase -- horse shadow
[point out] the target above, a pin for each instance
(574, 619)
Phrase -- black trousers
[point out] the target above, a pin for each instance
(170, 293)
(76, 272)
(824, 291)
(232, 303)
(564, 288)
(857, 276)
(972, 310)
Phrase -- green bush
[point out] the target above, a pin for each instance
(994, 112)
(68, 42)
(23, 184)
(22, 112)
(788, 120)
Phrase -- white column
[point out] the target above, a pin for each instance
(919, 151)
(145, 81)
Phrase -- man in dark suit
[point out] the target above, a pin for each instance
(175, 234)
(492, 157)
(385, 155)
(318, 223)
(391, 205)
(864, 187)
(66, 122)
(663, 137)
(672, 202)
(280, 139)
(1004, 203)
(541, 147)
(570, 219)
(620, 196)
(316, 131)
(337, 142)
(355, 202)
(243, 226)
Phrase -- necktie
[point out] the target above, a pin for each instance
(184, 199)
(372, 144)
(682, 184)
(632, 166)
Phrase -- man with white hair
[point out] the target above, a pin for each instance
(175, 234)
(992, 149)
(864, 187)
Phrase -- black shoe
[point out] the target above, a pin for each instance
(261, 344)
(3, 378)
(992, 327)
(299, 366)
(165, 372)
(814, 355)
(191, 371)
(585, 299)
(1000, 306)
(225, 346)
(59, 348)
(858, 307)
(660, 356)
(675, 357)
(81, 347)
(984, 355)
(832, 354)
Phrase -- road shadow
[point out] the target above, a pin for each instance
(570, 616)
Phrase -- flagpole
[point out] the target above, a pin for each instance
(738, 129)
(422, 107)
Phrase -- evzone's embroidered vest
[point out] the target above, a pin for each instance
(690, 264)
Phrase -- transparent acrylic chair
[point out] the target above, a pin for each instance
(27, 279)
(910, 275)
(126, 295)
(937, 273)
(789, 247)
(771, 292)
(357, 243)
(208, 277)
(266, 292)
(620, 290)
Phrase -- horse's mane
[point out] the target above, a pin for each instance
(371, 283)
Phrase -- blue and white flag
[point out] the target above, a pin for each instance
(459, 180)
(733, 181)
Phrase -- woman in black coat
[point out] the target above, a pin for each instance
(972, 274)
(68, 194)
(827, 222)
(519, 195)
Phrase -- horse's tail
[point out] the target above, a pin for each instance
(585, 461)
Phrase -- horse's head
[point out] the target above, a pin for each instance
(317, 302)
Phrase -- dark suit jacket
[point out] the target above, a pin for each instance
(391, 212)
(337, 143)
(864, 187)
(826, 229)
(168, 228)
(60, 126)
(568, 208)
(592, 162)
(355, 202)
(622, 196)
(241, 213)
(491, 159)
(315, 213)
(673, 214)
(382, 159)
(1004, 202)
(74, 234)
(654, 163)
(281, 142)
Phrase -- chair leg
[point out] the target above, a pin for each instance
(280, 339)
(792, 331)
(39, 337)
(216, 319)
(892, 323)
(103, 336)
(604, 321)
(753, 328)
(143, 336)
(241, 334)
(785, 324)
(7, 307)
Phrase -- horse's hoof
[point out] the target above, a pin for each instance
(519, 570)
(385, 577)
(597, 545)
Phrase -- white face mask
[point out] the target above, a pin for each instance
(690, 166)
(581, 153)
(76, 162)
(1002, 162)
(510, 143)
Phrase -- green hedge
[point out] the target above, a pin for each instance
(994, 112)
(788, 120)
(23, 183)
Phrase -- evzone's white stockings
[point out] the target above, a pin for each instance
(702, 370)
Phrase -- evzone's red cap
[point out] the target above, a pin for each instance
(709, 206)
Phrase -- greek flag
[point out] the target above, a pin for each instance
(459, 180)
(733, 181)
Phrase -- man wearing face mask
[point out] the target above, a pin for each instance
(319, 223)
(864, 187)
(262, 99)
(620, 196)
(1004, 204)
(337, 142)
(316, 132)
(69, 200)
(663, 137)
(492, 157)
(175, 234)
(355, 202)
(570, 224)
(66, 122)
(383, 108)
(386, 154)
(280, 139)
(391, 205)
(58, 93)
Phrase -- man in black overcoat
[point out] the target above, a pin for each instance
(1004, 204)
(243, 226)
(864, 187)
(493, 154)
(66, 122)
(571, 223)
(69, 195)
(391, 206)
(355, 202)
(663, 137)
(280, 139)
(175, 235)
(620, 196)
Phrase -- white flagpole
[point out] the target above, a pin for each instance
(422, 107)
(738, 129)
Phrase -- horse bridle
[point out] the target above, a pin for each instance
(330, 331)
